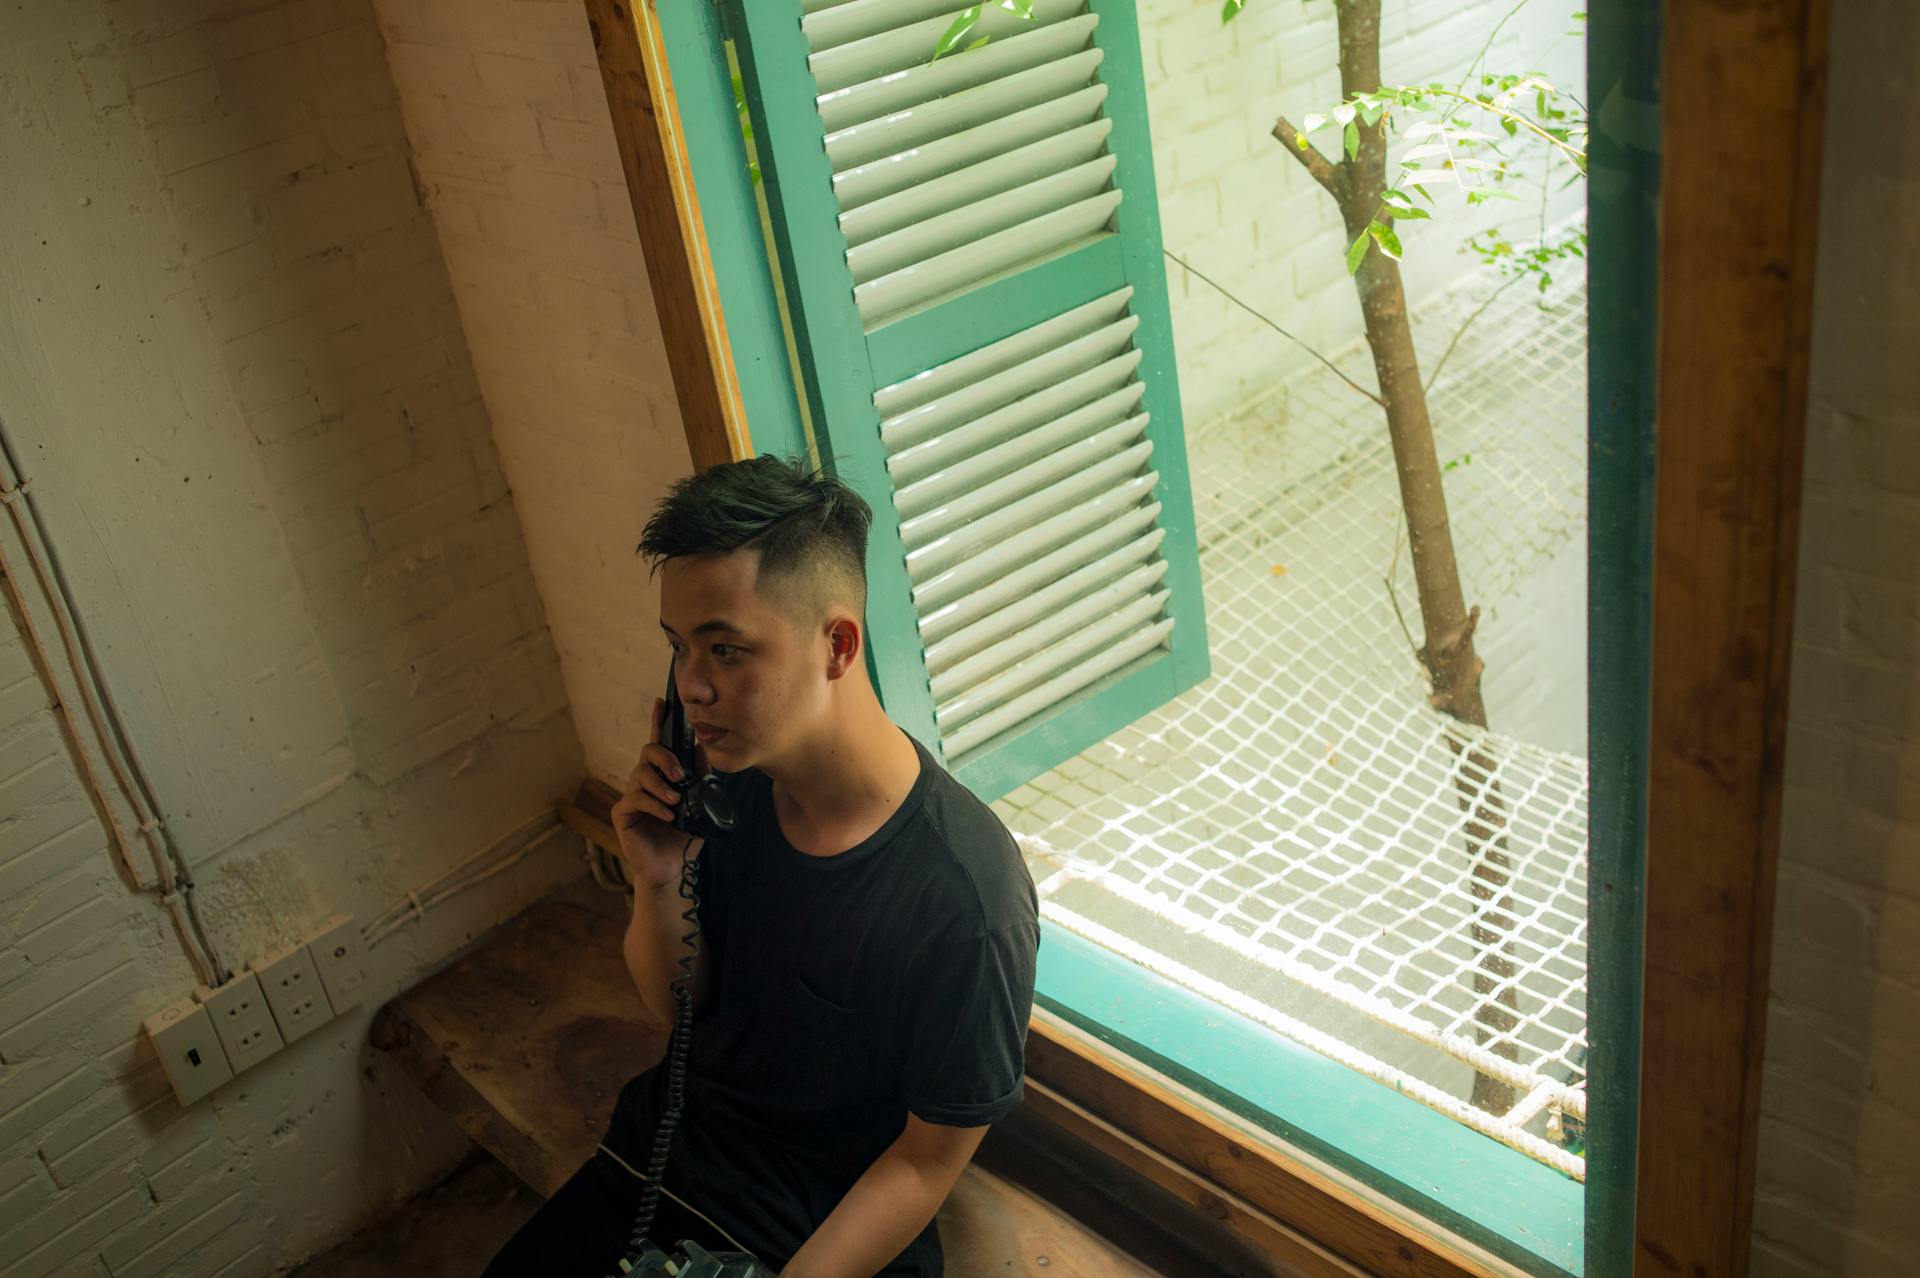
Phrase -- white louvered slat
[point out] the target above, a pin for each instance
(897, 44)
(1103, 654)
(868, 182)
(975, 182)
(943, 588)
(949, 231)
(1018, 484)
(1036, 621)
(1013, 665)
(871, 99)
(982, 104)
(944, 552)
(899, 401)
(949, 621)
(995, 388)
(971, 471)
(980, 262)
(910, 465)
(846, 23)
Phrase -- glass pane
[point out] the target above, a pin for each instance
(1370, 858)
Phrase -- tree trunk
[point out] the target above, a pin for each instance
(1448, 653)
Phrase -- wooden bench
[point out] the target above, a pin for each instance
(526, 1041)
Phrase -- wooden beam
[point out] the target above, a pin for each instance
(1314, 1202)
(1242, 1217)
(1737, 218)
(646, 124)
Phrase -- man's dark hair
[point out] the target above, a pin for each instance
(809, 526)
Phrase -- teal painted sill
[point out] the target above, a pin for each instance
(1527, 1214)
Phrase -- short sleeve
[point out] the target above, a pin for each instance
(968, 1006)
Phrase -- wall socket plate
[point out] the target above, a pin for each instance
(241, 1020)
(291, 984)
(183, 1038)
(340, 954)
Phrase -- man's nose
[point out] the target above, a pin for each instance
(692, 683)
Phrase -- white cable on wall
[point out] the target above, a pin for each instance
(176, 890)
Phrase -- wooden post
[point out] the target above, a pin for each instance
(646, 123)
(1744, 89)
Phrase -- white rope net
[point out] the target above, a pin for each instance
(1288, 838)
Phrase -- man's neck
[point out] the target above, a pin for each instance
(849, 774)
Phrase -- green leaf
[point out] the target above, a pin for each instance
(1412, 214)
(1344, 113)
(1018, 8)
(977, 43)
(1424, 193)
(963, 22)
(1356, 251)
(1313, 121)
(1231, 10)
(1383, 236)
(1353, 139)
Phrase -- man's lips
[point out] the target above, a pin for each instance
(707, 736)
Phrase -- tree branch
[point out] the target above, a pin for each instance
(1461, 332)
(1276, 328)
(1327, 175)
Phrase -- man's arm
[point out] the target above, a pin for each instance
(890, 1204)
(654, 946)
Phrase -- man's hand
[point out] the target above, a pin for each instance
(652, 850)
(890, 1204)
(643, 818)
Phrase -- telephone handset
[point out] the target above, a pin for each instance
(706, 804)
(705, 810)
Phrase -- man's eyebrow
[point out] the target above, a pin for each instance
(718, 624)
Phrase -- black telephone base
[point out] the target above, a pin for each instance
(694, 1261)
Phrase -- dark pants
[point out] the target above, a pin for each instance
(584, 1229)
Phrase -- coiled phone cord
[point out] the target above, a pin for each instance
(677, 1046)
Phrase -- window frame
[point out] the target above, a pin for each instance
(1672, 1144)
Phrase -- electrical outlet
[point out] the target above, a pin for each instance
(340, 955)
(242, 1021)
(292, 987)
(182, 1036)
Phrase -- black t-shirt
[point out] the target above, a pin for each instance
(848, 991)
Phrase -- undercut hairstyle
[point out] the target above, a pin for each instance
(809, 526)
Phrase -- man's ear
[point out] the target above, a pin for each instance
(843, 646)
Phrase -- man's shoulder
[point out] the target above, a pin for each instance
(976, 863)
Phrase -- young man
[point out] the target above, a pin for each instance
(868, 930)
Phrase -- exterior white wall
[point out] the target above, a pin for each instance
(1241, 212)
(1836, 1189)
(231, 365)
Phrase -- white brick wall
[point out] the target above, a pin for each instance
(1837, 1192)
(1247, 216)
(515, 151)
(231, 361)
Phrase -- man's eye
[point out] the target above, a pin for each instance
(729, 649)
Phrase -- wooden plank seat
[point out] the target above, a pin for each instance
(526, 1040)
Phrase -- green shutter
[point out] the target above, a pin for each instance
(971, 249)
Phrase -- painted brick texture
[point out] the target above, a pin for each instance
(233, 366)
(1836, 1190)
(514, 148)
